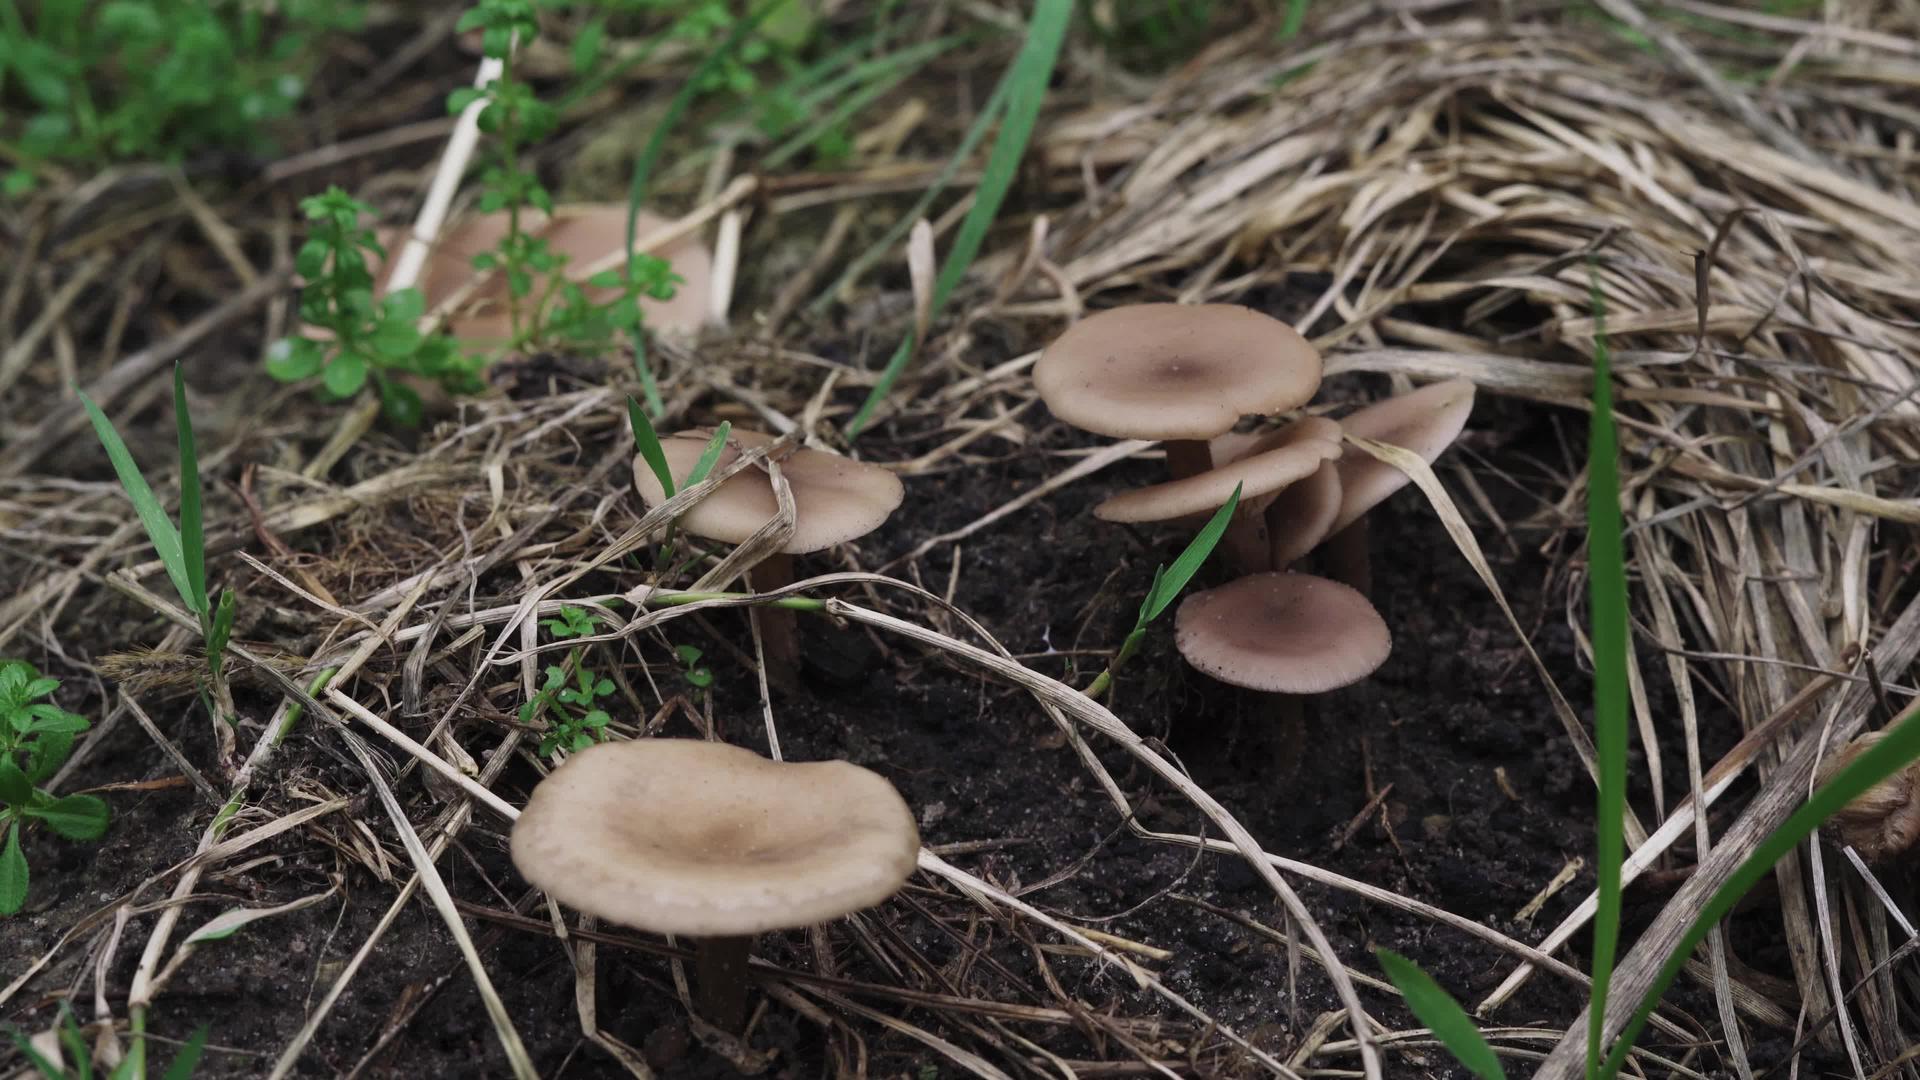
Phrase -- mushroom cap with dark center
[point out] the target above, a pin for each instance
(1288, 455)
(1282, 632)
(1425, 421)
(1174, 371)
(835, 499)
(680, 836)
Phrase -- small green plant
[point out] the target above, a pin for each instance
(36, 735)
(183, 549)
(74, 1042)
(84, 83)
(366, 340)
(698, 675)
(570, 706)
(544, 306)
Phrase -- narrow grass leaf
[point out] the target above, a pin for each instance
(13, 873)
(193, 538)
(648, 443)
(1442, 1015)
(1607, 591)
(166, 541)
(890, 241)
(1028, 77)
(1897, 748)
(650, 153)
(711, 455)
(1167, 586)
(188, 1059)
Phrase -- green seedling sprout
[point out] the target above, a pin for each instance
(1443, 1016)
(36, 735)
(570, 695)
(1026, 90)
(182, 550)
(1167, 583)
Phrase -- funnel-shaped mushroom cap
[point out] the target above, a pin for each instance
(1283, 633)
(589, 234)
(679, 836)
(835, 499)
(1425, 421)
(1288, 455)
(1302, 515)
(1174, 371)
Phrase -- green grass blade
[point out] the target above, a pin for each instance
(1897, 748)
(650, 153)
(166, 542)
(1448, 1021)
(648, 443)
(1027, 90)
(710, 455)
(1291, 22)
(1167, 586)
(890, 242)
(193, 537)
(188, 1059)
(1607, 589)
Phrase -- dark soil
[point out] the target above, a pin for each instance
(1484, 803)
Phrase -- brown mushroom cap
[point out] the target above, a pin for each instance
(835, 499)
(1302, 515)
(680, 836)
(1284, 633)
(1174, 371)
(1425, 421)
(1288, 455)
(586, 233)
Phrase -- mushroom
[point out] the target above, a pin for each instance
(1284, 634)
(1884, 821)
(1266, 466)
(1426, 421)
(715, 843)
(1180, 373)
(835, 499)
(588, 234)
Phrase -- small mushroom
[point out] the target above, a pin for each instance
(1426, 421)
(1181, 373)
(1284, 634)
(835, 499)
(716, 843)
(1884, 821)
(1263, 469)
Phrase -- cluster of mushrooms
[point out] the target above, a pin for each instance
(1186, 375)
(716, 844)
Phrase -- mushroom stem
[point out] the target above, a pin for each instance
(1187, 457)
(1289, 715)
(778, 632)
(1344, 558)
(720, 981)
(1248, 544)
